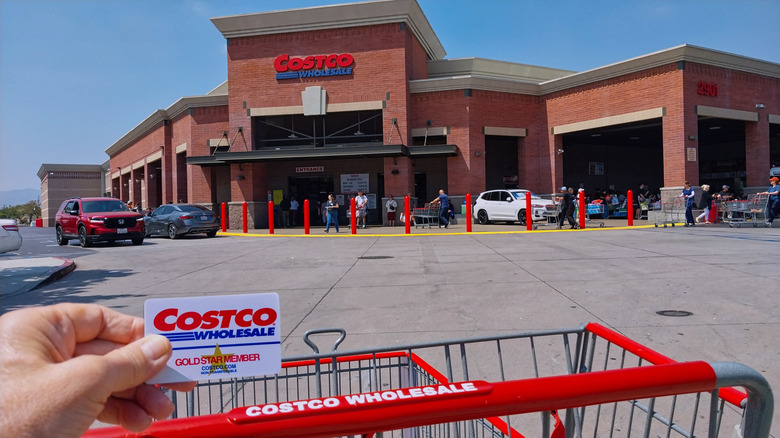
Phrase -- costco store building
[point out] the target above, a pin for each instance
(360, 96)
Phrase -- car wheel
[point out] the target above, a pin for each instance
(83, 241)
(521, 217)
(138, 241)
(482, 217)
(211, 233)
(61, 240)
(172, 231)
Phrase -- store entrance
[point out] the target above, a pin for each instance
(315, 189)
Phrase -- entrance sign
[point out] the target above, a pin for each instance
(218, 336)
(309, 169)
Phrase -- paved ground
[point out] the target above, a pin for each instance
(388, 289)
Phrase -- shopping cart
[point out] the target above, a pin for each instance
(672, 212)
(587, 380)
(759, 213)
(737, 212)
(427, 215)
(590, 211)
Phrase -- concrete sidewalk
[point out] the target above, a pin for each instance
(22, 274)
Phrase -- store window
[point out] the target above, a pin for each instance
(331, 130)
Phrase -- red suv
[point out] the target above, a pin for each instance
(98, 219)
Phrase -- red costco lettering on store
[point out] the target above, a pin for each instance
(283, 62)
(169, 319)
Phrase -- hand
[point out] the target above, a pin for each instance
(66, 365)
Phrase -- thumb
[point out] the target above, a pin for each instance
(137, 362)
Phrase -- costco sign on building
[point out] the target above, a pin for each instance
(313, 66)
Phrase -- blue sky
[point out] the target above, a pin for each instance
(76, 75)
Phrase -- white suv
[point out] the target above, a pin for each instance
(508, 205)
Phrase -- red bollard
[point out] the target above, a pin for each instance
(630, 208)
(529, 213)
(244, 215)
(581, 203)
(306, 217)
(407, 218)
(270, 217)
(353, 215)
(224, 217)
(468, 213)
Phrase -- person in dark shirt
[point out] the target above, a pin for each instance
(705, 203)
(444, 201)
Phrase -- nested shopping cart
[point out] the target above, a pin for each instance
(584, 381)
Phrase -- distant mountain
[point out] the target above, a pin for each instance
(18, 197)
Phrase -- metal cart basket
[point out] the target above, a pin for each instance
(673, 212)
(584, 381)
(427, 215)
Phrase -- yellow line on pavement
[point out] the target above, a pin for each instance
(460, 233)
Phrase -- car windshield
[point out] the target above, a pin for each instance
(101, 206)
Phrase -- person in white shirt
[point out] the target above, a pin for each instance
(391, 205)
(361, 207)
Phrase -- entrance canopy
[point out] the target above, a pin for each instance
(371, 150)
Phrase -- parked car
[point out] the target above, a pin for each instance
(508, 205)
(93, 220)
(174, 220)
(10, 239)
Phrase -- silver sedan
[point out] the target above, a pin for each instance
(174, 220)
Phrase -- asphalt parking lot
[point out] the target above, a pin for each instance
(388, 289)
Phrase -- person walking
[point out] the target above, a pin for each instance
(391, 206)
(688, 193)
(361, 208)
(705, 202)
(773, 204)
(331, 208)
(444, 201)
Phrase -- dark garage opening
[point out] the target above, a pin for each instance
(615, 158)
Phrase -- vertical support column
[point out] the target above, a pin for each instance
(757, 152)
(407, 216)
(244, 216)
(468, 213)
(270, 217)
(630, 207)
(581, 204)
(306, 217)
(353, 216)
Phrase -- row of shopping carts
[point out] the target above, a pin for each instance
(584, 381)
(753, 210)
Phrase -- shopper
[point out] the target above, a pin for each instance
(705, 203)
(361, 208)
(444, 201)
(688, 193)
(331, 208)
(773, 204)
(391, 206)
(566, 208)
(285, 207)
(294, 211)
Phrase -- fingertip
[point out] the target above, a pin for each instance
(155, 347)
